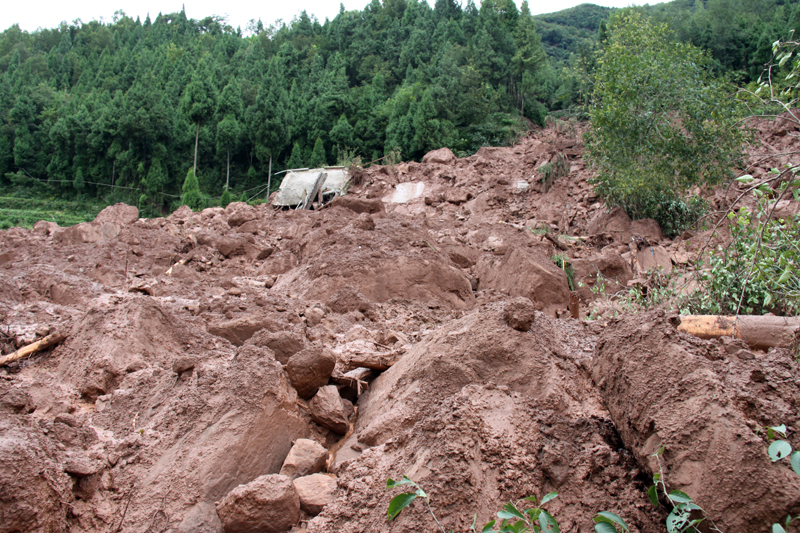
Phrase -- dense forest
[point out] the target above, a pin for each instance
(121, 111)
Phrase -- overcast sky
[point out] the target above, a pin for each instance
(33, 14)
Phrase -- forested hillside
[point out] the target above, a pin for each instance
(114, 111)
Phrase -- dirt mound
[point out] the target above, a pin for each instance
(480, 413)
(706, 407)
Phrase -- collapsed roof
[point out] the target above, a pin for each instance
(300, 187)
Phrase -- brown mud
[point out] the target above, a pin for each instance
(189, 337)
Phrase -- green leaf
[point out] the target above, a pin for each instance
(677, 496)
(796, 462)
(660, 451)
(778, 450)
(605, 527)
(779, 429)
(510, 511)
(652, 492)
(676, 522)
(785, 276)
(605, 516)
(390, 483)
(549, 497)
(488, 527)
(767, 300)
(531, 498)
(747, 178)
(548, 523)
(777, 528)
(398, 503)
(421, 493)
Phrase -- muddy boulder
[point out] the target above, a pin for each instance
(310, 369)
(328, 411)
(268, 504)
(315, 492)
(305, 458)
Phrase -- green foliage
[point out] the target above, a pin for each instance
(660, 123)
(191, 194)
(683, 507)
(562, 262)
(226, 198)
(756, 273)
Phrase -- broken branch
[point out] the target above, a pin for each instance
(41, 344)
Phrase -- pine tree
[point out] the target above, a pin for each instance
(191, 192)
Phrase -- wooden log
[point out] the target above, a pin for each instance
(556, 242)
(757, 331)
(41, 344)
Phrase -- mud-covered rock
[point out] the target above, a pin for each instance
(442, 156)
(315, 492)
(359, 205)
(120, 213)
(268, 504)
(310, 369)
(520, 313)
(284, 344)
(305, 458)
(328, 411)
(524, 273)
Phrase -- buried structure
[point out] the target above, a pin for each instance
(253, 369)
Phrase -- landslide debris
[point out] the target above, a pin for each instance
(216, 361)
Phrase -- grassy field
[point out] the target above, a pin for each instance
(25, 212)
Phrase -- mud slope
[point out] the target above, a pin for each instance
(416, 326)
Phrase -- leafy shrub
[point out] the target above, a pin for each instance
(756, 272)
(6, 224)
(191, 192)
(660, 124)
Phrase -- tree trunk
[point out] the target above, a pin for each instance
(758, 331)
(196, 137)
(228, 175)
(269, 177)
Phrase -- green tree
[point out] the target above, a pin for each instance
(191, 194)
(226, 199)
(660, 123)
(198, 105)
(318, 158)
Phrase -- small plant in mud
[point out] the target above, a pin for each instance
(778, 450)
(562, 262)
(553, 170)
(404, 499)
(512, 519)
(683, 507)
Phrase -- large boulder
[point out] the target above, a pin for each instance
(305, 458)
(616, 222)
(310, 369)
(442, 156)
(268, 504)
(521, 272)
(315, 492)
(122, 214)
(328, 411)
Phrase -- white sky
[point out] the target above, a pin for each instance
(49, 13)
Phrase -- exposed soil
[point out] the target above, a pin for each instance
(189, 337)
